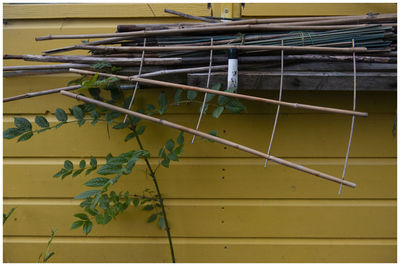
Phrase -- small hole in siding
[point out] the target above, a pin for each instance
(222, 222)
(223, 177)
(224, 148)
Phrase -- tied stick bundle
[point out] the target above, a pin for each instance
(171, 47)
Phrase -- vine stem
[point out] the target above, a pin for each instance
(153, 175)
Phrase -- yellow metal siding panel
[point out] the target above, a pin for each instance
(281, 215)
(316, 9)
(234, 178)
(41, 11)
(218, 250)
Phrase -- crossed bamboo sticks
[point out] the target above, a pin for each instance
(210, 137)
(224, 93)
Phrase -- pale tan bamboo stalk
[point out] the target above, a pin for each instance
(352, 119)
(277, 109)
(40, 93)
(382, 17)
(210, 137)
(223, 47)
(224, 93)
(42, 67)
(207, 86)
(145, 33)
(181, 70)
(137, 83)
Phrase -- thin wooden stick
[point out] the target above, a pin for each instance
(205, 95)
(190, 16)
(222, 47)
(42, 67)
(94, 60)
(40, 93)
(277, 109)
(352, 119)
(210, 137)
(137, 83)
(181, 70)
(224, 93)
(145, 33)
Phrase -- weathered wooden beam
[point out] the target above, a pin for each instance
(295, 80)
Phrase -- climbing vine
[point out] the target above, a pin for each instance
(100, 204)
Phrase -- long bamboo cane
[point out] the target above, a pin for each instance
(40, 93)
(224, 93)
(223, 47)
(145, 33)
(210, 137)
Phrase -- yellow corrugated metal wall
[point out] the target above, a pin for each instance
(222, 204)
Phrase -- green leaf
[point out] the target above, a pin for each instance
(121, 125)
(61, 115)
(235, 106)
(169, 145)
(49, 256)
(68, 165)
(22, 124)
(110, 116)
(140, 130)
(77, 112)
(130, 136)
(26, 136)
(191, 95)
(178, 96)
(81, 122)
(67, 173)
(152, 218)
(82, 164)
(109, 169)
(97, 182)
(93, 162)
(87, 194)
(178, 150)
(180, 139)
(11, 133)
(148, 207)
(217, 111)
(172, 156)
(223, 99)
(165, 163)
(77, 224)
(77, 172)
(41, 121)
(87, 227)
(161, 223)
(211, 96)
(163, 103)
(60, 173)
(101, 65)
(99, 219)
(109, 156)
(59, 125)
(88, 171)
(213, 132)
(81, 216)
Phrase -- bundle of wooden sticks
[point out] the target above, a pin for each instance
(185, 47)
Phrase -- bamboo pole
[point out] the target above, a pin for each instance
(144, 33)
(210, 137)
(224, 93)
(223, 47)
(93, 60)
(40, 93)
(190, 16)
(376, 18)
(39, 67)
